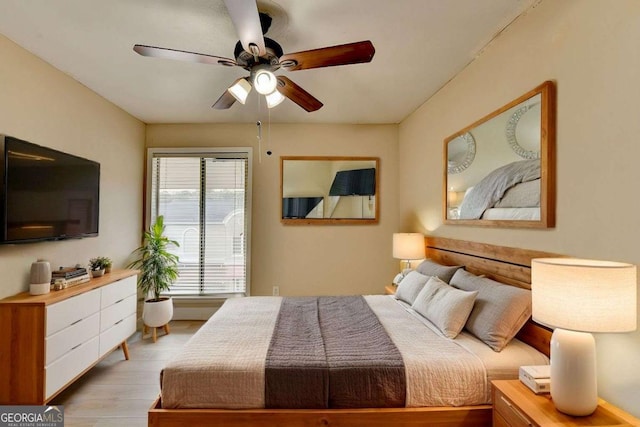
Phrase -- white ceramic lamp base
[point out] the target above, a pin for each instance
(574, 387)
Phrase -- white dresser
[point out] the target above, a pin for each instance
(49, 340)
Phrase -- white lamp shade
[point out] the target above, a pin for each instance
(408, 246)
(584, 295)
(240, 90)
(274, 98)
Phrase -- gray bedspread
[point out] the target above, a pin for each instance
(332, 352)
(296, 370)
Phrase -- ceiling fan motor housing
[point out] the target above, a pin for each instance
(246, 59)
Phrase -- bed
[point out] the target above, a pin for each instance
(507, 265)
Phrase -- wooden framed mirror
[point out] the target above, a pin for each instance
(329, 190)
(500, 170)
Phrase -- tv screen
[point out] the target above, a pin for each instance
(356, 182)
(299, 207)
(46, 194)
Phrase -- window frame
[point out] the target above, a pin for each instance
(244, 152)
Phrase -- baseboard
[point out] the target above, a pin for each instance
(195, 309)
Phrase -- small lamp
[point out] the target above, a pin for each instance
(274, 99)
(240, 90)
(407, 247)
(579, 296)
(264, 81)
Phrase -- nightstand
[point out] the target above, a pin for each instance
(514, 405)
(390, 289)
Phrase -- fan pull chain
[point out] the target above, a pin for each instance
(259, 125)
(269, 134)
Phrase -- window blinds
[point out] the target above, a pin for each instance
(204, 201)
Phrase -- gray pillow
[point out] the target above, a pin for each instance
(432, 268)
(445, 306)
(499, 311)
(410, 286)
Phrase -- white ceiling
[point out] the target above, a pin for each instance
(420, 45)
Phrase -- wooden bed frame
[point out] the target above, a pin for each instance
(507, 265)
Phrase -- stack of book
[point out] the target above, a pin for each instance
(71, 275)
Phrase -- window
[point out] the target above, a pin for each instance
(205, 198)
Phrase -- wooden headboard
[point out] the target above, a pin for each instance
(511, 266)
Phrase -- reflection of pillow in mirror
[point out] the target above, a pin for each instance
(410, 286)
(524, 195)
(445, 306)
(499, 312)
(432, 268)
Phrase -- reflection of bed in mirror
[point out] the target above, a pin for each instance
(509, 192)
(507, 177)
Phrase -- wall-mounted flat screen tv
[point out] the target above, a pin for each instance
(356, 182)
(46, 194)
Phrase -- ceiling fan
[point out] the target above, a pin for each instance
(261, 56)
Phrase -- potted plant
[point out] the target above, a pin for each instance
(101, 263)
(158, 270)
(106, 261)
(97, 266)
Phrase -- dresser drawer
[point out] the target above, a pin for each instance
(71, 337)
(65, 313)
(118, 311)
(498, 420)
(117, 291)
(511, 415)
(117, 333)
(70, 365)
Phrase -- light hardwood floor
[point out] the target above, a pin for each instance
(117, 392)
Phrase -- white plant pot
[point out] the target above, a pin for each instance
(157, 313)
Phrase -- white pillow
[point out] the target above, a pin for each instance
(410, 286)
(445, 306)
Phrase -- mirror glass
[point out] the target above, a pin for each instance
(499, 171)
(329, 190)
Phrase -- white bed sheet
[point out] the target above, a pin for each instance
(532, 214)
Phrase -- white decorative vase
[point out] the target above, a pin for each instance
(157, 313)
(40, 277)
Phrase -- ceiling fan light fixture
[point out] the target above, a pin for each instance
(240, 90)
(265, 82)
(274, 99)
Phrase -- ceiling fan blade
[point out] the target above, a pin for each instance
(351, 53)
(225, 101)
(181, 55)
(298, 95)
(245, 17)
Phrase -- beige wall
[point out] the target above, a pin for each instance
(41, 104)
(590, 48)
(307, 260)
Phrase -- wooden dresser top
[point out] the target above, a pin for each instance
(57, 296)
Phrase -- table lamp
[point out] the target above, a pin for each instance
(577, 297)
(407, 247)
